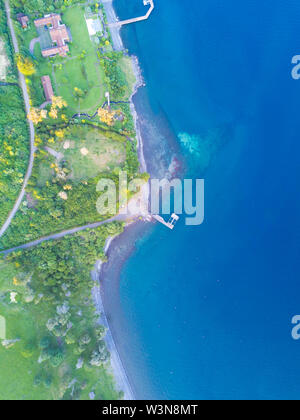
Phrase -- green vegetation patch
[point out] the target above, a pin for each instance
(14, 135)
(52, 328)
(89, 152)
(126, 66)
(14, 147)
(79, 82)
(61, 193)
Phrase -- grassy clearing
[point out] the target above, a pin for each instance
(45, 174)
(126, 66)
(104, 154)
(85, 75)
(75, 20)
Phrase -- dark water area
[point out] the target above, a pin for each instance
(205, 312)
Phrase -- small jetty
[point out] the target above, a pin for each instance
(170, 224)
(137, 19)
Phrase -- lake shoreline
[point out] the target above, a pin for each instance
(119, 372)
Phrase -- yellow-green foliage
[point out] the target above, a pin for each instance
(25, 65)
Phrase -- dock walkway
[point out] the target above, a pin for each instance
(170, 224)
(137, 19)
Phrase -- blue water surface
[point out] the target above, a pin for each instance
(212, 305)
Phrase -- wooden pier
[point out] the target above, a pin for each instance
(170, 224)
(134, 20)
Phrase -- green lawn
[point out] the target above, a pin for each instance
(126, 66)
(74, 18)
(85, 74)
(45, 173)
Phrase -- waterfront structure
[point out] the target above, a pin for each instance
(170, 224)
(138, 19)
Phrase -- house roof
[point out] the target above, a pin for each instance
(53, 19)
(58, 33)
(23, 19)
(62, 51)
(47, 85)
(60, 36)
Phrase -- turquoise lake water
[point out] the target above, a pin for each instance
(211, 306)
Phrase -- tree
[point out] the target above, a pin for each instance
(100, 355)
(107, 117)
(37, 380)
(48, 381)
(57, 357)
(53, 113)
(58, 102)
(100, 332)
(45, 342)
(84, 340)
(45, 355)
(28, 349)
(25, 65)
(51, 324)
(58, 331)
(78, 93)
(37, 115)
(70, 338)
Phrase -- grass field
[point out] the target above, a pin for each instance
(104, 154)
(86, 73)
(125, 64)
(45, 173)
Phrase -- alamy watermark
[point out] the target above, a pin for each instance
(145, 198)
(296, 68)
(296, 328)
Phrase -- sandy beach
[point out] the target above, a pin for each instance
(117, 367)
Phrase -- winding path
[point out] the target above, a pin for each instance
(31, 127)
(32, 44)
(117, 218)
